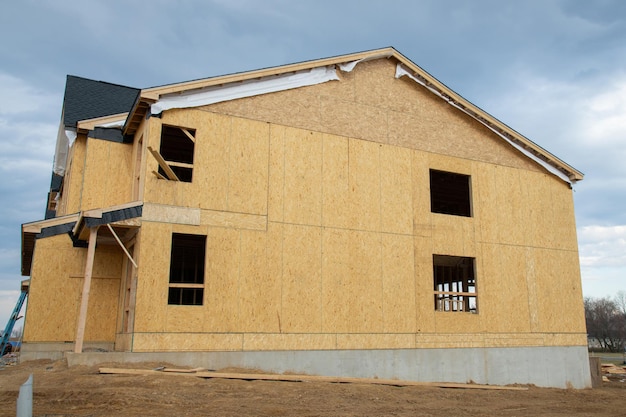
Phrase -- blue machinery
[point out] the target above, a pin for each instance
(5, 346)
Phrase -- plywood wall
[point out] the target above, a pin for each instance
(55, 292)
(114, 159)
(99, 174)
(340, 255)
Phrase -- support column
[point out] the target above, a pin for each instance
(84, 302)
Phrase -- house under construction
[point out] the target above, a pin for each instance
(347, 216)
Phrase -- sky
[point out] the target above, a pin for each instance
(553, 70)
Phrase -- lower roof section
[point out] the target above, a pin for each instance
(75, 225)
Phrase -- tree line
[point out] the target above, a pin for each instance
(606, 321)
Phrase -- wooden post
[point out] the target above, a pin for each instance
(84, 302)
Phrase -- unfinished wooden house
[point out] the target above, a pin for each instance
(346, 216)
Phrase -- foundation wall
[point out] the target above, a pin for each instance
(557, 367)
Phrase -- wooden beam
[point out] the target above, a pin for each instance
(168, 171)
(189, 135)
(130, 258)
(159, 176)
(305, 378)
(84, 302)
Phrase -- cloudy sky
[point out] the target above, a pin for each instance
(554, 70)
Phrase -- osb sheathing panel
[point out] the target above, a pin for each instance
(301, 293)
(73, 181)
(559, 290)
(370, 103)
(230, 170)
(260, 281)
(398, 284)
(294, 341)
(153, 277)
(222, 302)
(163, 342)
(189, 341)
(503, 288)
(56, 287)
(352, 298)
(396, 192)
(302, 198)
(115, 187)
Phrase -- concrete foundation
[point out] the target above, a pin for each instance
(57, 350)
(558, 367)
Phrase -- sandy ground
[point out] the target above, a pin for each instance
(83, 391)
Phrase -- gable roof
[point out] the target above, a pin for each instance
(216, 87)
(88, 99)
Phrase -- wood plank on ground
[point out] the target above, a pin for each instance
(304, 378)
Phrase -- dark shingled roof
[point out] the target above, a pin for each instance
(88, 99)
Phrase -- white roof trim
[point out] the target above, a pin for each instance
(400, 72)
(249, 88)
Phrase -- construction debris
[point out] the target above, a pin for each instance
(613, 373)
(200, 373)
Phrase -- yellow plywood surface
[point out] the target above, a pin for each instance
(171, 342)
(301, 294)
(558, 290)
(364, 185)
(351, 281)
(336, 186)
(222, 286)
(302, 195)
(398, 287)
(153, 277)
(248, 167)
(75, 169)
(260, 284)
(292, 341)
(54, 294)
(396, 197)
(503, 294)
(115, 187)
(276, 192)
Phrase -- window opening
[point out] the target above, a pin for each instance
(186, 285)
(175, 156)
(455, 283)
(450, 193)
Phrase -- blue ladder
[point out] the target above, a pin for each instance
(6, 336)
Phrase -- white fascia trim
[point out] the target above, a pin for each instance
(249, 88)
(117, 123)
(400, 71)
(349, 66)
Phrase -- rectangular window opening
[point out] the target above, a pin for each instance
(187, 260)
(177, 149)
(455, 284)
(450, 193)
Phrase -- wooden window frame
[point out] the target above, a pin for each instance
(454, 284)
(450, 193)
(176, 153)
(187, 270)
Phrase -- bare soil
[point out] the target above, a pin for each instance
(82, 391)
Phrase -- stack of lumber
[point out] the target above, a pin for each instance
(203, 373)
(612, 371)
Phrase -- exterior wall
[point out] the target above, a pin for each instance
(55, 290)
(114, 159)
(73, 181)
(320, 241)
(85, 187)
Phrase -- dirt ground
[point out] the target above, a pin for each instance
(83, 391)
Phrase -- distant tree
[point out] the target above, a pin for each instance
(606, 322)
